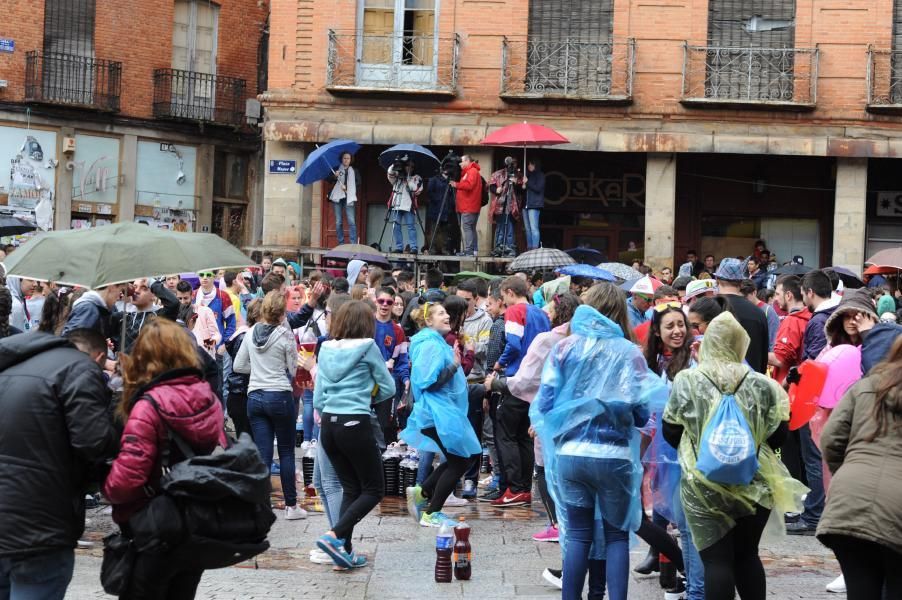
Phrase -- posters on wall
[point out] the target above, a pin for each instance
(166, 175)
(95, 170)
(167, 218)
(29, 184)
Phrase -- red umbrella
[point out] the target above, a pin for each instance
(891, 257)
(524, 135)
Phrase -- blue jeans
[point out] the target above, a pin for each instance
(504, 231)
(37, 577)
(273, 416)
(327, 485)
(338, 208)
(531, 224)
(407, 219)
(226, 373)
(311, 429)
(695, 569)
(811, 457)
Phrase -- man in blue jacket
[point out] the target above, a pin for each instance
(534, 184)
(392, 342)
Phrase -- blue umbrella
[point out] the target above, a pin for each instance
(425, 161)
(587, 271)
(324, 160)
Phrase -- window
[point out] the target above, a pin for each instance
(194, 58)
(397, 41)
(230, 175)
(750, 54)
(68, 74)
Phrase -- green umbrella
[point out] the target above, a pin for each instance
(471, 274)
(120, 253)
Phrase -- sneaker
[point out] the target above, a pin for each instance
(791, 517)
(416, 502)
(91, 501)
(294, 513)
(469, 490)
(486, 481)
(275, 470)
(550, 534)
(319, 557)
(357, 561)
(509, 498)
(554, 577)
(335, 548)
(436, 519)
(837, 586)
(677, 592)
(491, 495)
(800, 527)
(455, 501)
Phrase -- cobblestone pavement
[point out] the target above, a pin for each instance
(507, 563)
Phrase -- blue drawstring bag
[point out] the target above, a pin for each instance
(727, 453)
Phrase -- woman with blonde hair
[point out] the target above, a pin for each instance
(269, 354)
(164, 388)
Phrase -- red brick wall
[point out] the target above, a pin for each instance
(138, 33)
(842, 29)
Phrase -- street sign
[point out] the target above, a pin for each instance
(283, 167)
(7, 45)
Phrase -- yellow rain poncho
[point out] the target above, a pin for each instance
(712, 509)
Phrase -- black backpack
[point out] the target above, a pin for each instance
(485, 191)
(212, 511)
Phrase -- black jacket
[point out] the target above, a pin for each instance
(134, 321)
(55, 427)
(238, 382)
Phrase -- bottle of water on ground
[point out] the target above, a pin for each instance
(463, 552)
(444, 547)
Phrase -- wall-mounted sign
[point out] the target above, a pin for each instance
(7, 45)
(283, 167)
(889, 204)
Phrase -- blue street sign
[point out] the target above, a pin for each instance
(283, 167)
(7, 45)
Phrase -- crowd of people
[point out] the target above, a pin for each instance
(605, 398)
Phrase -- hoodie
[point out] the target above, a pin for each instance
(351, 375)
(271, 358)
(354, 268)
(18, 316)
(476, 329)
(89, 312)
(815, 331)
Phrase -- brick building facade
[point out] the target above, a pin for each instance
(699, 124)
(120, 111)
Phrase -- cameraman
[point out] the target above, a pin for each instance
(469, 202)
(438, 211)
(534, 184)
(506, 186)
(403, 202)
(344, 197)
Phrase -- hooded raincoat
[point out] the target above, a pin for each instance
(442, 405)
(711, 509)
(596, 392)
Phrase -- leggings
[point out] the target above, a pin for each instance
(871, 570)
(440, 484)
(547, 500)
(732, 562)
(660, 541)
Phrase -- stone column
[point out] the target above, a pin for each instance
(62, 202)
(284, 209)
(204, 174)
(128, 170)
(660, 209)
(850, 213)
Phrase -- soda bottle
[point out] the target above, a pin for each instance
(463, 553)
(444, 544)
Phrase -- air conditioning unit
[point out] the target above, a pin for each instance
(253, 111)
(68, 145)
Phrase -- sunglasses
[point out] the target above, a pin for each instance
(667, 306)
(385, 302)
(205, 275)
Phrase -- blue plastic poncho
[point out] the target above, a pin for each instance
(444, 408)
(596, 391)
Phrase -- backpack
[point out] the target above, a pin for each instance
(485, 191)
(212, 511)
(726, 453)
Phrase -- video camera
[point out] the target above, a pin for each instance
(450, 166)
(399, 165)
(510, 166)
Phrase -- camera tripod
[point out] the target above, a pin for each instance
(448, 191)
(392, 213)
(502, 247)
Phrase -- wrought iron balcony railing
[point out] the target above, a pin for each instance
(72, 80)
(754, 77)
(568, 70)
(408, 63)
(884, 80)
(193, 96)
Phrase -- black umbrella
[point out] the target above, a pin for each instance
(848, 278)
(10, 225)
(426, 163)
(586, 256)
(793, 269)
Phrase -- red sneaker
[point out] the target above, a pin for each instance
(511, 499)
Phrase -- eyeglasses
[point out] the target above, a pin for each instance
(668, 305)
(205, 275)
(385, 302)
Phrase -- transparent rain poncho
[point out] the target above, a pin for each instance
(711, 509)
(444, 408)
(596, 392)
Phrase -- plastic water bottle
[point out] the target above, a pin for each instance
(390, 469)
(307, 461)
(463, 552)
(444, 546)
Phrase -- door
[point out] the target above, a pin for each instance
(397, 45)
(229, 222)
(194, 46)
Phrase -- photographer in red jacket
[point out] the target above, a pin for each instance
(469, 202)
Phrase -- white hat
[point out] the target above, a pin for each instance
(699, 287)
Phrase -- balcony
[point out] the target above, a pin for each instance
(200, 97)
(884, 79)
(396, 64)
(767, 78)
(72, 80)
(568, 70)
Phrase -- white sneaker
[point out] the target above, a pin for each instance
(293, 513)
(486, 480)
(455, 501)
(837, 586)
(319, 557)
